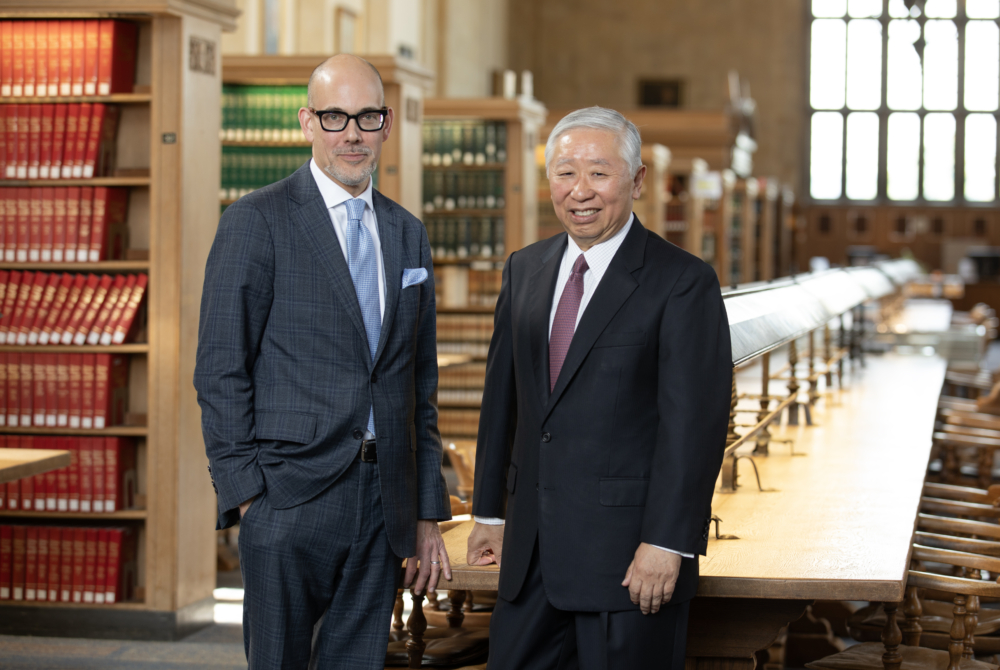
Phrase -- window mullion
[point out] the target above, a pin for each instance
(883, 126)
(959, 176)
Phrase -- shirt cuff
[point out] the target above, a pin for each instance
(489, 520)
(679, 553)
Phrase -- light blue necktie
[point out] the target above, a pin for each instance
(364, 272)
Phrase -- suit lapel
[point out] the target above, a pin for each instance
(312, 217)
(615, 288)
(541, 286)
(390, 235)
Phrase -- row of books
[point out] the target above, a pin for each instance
(484, 287)
(464, 142)
(67, 308)
(454, 422)
(477, 350)
(461, 397)
(464, 327)
(247, 168)
(63, 224)
(262, 113)
(70, 565)
(466, 237)
(453, 189)
(100, 478)
(465, 376)
(67, 57)
(58, 141)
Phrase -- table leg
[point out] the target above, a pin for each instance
(724, 633)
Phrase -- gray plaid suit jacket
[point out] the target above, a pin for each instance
(284, 374)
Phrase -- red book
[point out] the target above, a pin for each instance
(66, 313)
(42, 313)
(65, 57)
(109, 232)
(90, 56)
(116, 72)
(58, 141)
(23, 223)
(82, 330)
(48, 212)
(38, 384)
(86, 220)
(34, 140)
(13, 488)
(45, 150)
(18, 550)
(75, 381)
(82, 138)
(125, 324)
(101, 567)
(27, 392)
(51, 388)
(119, 464)
(73, 196)
(9, 300)
(14, 389)
(102, 317)
(6, 549)
(116, 312)
(110, 382)
(30, 562)
(30, 45)
(69, 139)
(3, 218)
(62, 390)
(17, 87)
(87, 366)
(58, 223)
(3, 140)
(80, 309)
(79, 62)
(113, 591)
(90, 566)
(41, 58)
(3, 400)
(100, 144)
(55, 554)
(10, 142)
(51, 480)
(23, 291)
(62, 476)
(66, 550)
(35, 225)
(100, 475)
(21, 325)
(55, 311)
(6, 58)
(79, 553)
(27, 493)
(42, 571)
(54, 50)
(74, 474)
(23, 139)
(86, 474)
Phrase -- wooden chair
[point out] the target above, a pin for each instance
(891, 655)
(462, 454)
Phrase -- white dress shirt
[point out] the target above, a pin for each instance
(336, 198)
(598, 259)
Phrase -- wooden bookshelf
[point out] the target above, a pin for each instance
(115, 98)
(105, 267)
(686, 205)
(398, 175)
(768, 223)
(168, 155)
(651, 207)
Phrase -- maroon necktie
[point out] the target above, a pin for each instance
(564, 325)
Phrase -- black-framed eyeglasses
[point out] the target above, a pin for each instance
(334, 121)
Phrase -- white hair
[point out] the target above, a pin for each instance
(600, 118)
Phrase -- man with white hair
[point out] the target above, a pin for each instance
(603, 425)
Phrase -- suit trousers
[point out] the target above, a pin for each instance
(320, 578)
(528, 633)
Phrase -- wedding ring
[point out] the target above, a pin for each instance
(435, 562)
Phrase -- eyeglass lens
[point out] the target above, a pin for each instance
(337, 121)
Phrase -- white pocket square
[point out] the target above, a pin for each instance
(414, 276)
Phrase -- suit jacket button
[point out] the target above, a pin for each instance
(546, 437)
(374, 378)
(358, 433)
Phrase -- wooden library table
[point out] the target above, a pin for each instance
(18, 463)
(834, 522)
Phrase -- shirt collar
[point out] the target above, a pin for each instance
(333, 194)
(599, 256)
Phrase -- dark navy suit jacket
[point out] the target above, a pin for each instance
(284, 373)
(627, 447)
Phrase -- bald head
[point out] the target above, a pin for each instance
(342, 66)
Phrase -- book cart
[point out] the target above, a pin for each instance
(264, 120)
(480, 203)
(166, 158)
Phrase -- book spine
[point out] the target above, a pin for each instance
(45, 141)
(42, 571)
(86, 475)
(48, 216)
(44, 307)
(58, 224)
(101, 567)
(112, 462)
(51, 389)
(82, 138)
(13, 389)
(19, 559)
(23, 223)
(100, 475)
(35, 225)
(80, 309)
(90, 566)
(10, 126)
(106, 142)
(30, 562)
(54, 57)
(86, 219)
(62, 477)
(91, 54)
(17, 87)
(78, 60)
(41, 58)
(87, 366)
(73, 198)
(74, 474)
(10, 299)
(75, 382)
(116, 313)
(111, 586)
(6, 58)
(34, 140)
(6, 559)
(123, 327)
(90, 316)
(66, 313)
(65, 57)
(55, 556)
(94, 337)
(27, 392)
(30, 45)
(62, 390)
(97, 120)
(67, 552)
(69, 138)
(23, 140)
(56, 309)
(58, 140)
(38, 376)
(23, 295)
(102, 374)
(79, 554)
(123, 59)
(22, 324)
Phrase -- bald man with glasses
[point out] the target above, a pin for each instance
(317, 378)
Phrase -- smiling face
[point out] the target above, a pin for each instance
(348, 157)
(592, 189)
